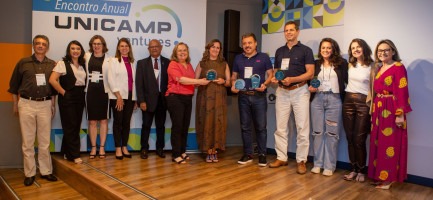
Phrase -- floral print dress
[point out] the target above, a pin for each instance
(388, 143)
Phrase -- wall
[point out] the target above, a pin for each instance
(15, 40)
(250, 22)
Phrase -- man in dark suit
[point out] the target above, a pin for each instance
(151, 83)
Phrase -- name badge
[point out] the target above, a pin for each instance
(40, 80)
(285, 64)
(248, 72)
(95, 77)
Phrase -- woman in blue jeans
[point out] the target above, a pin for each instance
(326, 105)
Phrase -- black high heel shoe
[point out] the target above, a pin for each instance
(119, 157)
(92, 156)
(126, 155)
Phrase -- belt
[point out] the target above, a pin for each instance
(251, 92)
(292, 87)
(36, 99)
(325, 92)
(384, 95)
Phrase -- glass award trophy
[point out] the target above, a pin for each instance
(279, 75)
(255, 81)
(240, 84)
(211, 75)
(315, 83)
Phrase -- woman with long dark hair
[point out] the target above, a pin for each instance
(69, 79)
(326, 101)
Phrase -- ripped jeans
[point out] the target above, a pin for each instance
(326, 111)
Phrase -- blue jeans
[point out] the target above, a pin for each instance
(253, 111)
(326, 111)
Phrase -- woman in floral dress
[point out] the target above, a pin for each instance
(388, 139)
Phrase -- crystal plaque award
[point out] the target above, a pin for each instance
(211, 75)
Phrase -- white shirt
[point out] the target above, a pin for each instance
(328, 80)
(80, 73)
(359, 79)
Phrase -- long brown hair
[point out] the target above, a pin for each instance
(130, 55)
(206, 54)
(366, 52)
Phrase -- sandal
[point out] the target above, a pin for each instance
(360, 177)
(350, 177)
(185, 156)
(384, 185)
(92, 156)
(179, 160)
(101, 156)
(78, 161)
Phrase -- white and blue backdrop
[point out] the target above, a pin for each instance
(169, 21)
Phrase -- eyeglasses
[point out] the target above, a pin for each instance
(383, 50)
(154, 47)
(97, 44)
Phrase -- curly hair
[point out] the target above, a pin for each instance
(335, 59)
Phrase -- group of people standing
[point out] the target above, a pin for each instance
(368, 96)
(105, 86)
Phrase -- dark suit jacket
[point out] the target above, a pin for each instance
(145, 82)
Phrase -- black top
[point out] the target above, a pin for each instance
(23, 80)
(342, 74)
(68, 81)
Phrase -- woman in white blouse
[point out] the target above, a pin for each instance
(69, 79)
(356, 107)
(121, 75)
(326, 101)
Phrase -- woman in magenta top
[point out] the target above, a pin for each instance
(122, 95)
(179, 94)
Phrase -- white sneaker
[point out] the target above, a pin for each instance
(327, 172)
(315, 170)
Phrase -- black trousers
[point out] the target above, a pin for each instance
(356, 122)
(159, 114)
(122, 121)
(71, 107)
(179, 107)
